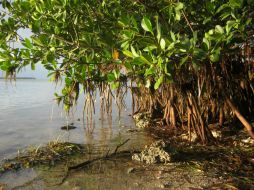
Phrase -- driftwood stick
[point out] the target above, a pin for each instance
(118, 146)
(83, 164)
(86, 163)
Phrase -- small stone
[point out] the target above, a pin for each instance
(167, 185)
(130, 170)
(68, 127)
(158, 174)
(216, 134)
(76, 188)
(132, 130)
(2, 187)
(186, 137)
(66, 183)
(162, 186)
(248, 141)
(251, 160)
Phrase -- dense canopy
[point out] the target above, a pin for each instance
(189, 63)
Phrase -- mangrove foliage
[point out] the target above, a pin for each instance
(186, 63)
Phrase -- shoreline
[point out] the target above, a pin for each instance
(191, 166)
(20, 78)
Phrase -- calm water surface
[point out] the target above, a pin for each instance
(29, 116)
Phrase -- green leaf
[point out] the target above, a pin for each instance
(219, 29)
(49, 67)
(116, 74)
(137, 61)
(128, 65)
(27, 43)
(236, 3)
(68, 81)
(158, 28)
(178, 15)
(222, 7)
(3, 57)
(183, 50)
(210, 6)
(127, 53)
(33, 66)
(158, 82)
(150, 71)
(145, 60)
(230, 25)
(150, 48)
(134, 53)
(114, 85)
(125, 45)
(179, 6)
(50, 57)
(123, 21)
(207, 43)
(6, 4)
(147, 25)
(215, 55)
(111, 77)
(183, 60)
(250, 2)
(37, 41)
(172, 35)
(36, 25)
(199, 54)
(163, 44)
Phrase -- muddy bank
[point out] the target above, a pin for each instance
(173, 164)
(36, 170)
(229, 158)
(118, 172)
(193, 167)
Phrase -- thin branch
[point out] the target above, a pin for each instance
(187, 21)
(118, 146)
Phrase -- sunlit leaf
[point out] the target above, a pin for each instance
(158, 82)
(147, 25)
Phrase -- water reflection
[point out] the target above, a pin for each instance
(29, 116)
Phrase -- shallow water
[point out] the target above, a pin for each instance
(29, 116)
(26, 119)
(111, 173)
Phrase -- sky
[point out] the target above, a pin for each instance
(40, 72)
